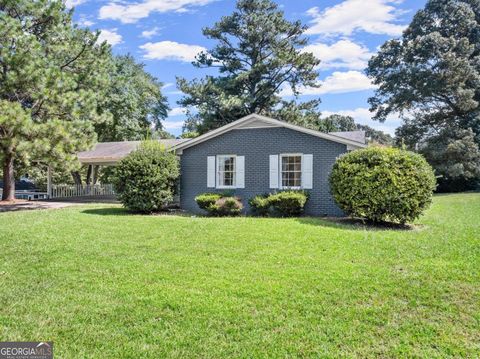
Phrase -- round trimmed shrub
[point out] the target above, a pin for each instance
(288, 203)
(229, 206)
(206, 201)
(260, 204)
(219, 205)
(382, 184)
(146, 179)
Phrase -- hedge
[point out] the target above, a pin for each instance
(285, 203)
(219, 205)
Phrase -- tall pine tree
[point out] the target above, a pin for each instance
(52, 74)
(257, 55)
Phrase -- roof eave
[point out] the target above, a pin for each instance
(233, 125)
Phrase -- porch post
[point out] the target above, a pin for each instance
(49, 181)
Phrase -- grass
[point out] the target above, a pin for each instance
(104, 284)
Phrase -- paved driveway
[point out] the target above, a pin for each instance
(20, 205)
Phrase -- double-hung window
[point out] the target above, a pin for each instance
(226, 171)
(291, 171)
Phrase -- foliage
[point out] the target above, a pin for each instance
(341, 123)
(146, 179)
(258, 54)
(455, 157)
(382, 184)
(206, 200)
(219, 204)
(38, 175)
(53, 74)
(189, 134)
(260, 205)
(336, 123)
(374, 136)
(306, 114)
(431, 76)
(228, 206)
(159, 134)
(285, 203)
(288, 203)
(134, 103)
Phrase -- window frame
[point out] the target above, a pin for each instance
(280, 170)
(217, 172)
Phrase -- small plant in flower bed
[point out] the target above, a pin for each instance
(219, 205)
(285, 203)
(260, 205)
(206, 200)
(288, 203)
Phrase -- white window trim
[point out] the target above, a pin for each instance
(217, 173)
(280, 156)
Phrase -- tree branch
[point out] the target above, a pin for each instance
(75, 58)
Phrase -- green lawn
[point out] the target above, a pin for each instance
(102, 283)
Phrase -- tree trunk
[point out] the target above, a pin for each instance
(8, 178)
(89, 175)
(95, 174)
(77, 178)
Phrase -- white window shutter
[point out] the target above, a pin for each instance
(273, 171)
(307, 171)
(211, 171)
(240, 172)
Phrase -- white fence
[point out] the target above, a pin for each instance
(59, 191)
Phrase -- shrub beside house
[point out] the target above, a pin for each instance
(383, 184)
(146, 180)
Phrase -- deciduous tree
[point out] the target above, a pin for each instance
(134, 102)
(431, 76)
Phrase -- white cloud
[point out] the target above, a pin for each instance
(131, 13)
(342, 54)
(337, 82)
(171, 50)
(111, 36)
(85, 22)
(176, 111)
(364, 116)
(373, 16)
(71, 3)
(167, 85)
(349, 81)
(172, 125)
(147, 34)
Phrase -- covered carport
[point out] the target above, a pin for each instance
(102, 154)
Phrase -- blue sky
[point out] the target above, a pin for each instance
(166, 34)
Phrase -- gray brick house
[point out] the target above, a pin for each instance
(256, 155)
(253, 155)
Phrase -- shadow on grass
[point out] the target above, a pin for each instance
(119, 211)
(109, 211)
(449, 194)
(327, 222)
(354, 224)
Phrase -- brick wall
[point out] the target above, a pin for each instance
(256, 145)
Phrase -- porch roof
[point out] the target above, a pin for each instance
(109, 153)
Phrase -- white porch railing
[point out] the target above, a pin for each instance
(59, 191)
